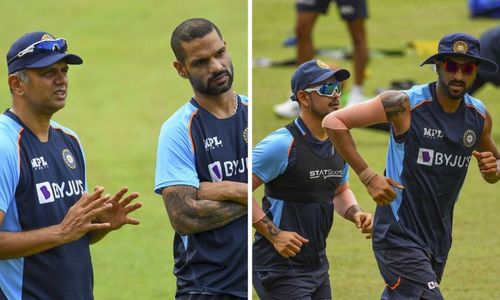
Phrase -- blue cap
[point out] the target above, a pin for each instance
(36, 59)
(314, 71)
(462, 45)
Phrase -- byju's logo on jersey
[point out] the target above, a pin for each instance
(434, 134)
(429, 157)
(212, 143)
(218, 170)
(39, 163)
(48, 192)
(215, 171)
(325, 173)
(69, 159)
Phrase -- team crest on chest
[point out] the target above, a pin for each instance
(469, 138)
(69, 159)
(245, 135)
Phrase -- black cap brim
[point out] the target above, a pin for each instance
(340, 75)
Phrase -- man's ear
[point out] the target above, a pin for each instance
(303, 98)
(15, 85)
(180, 69)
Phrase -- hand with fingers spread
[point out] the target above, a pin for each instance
(78, 220)
(488, 165)
(381, 189)
(288, 243)
(117, 214)
(364, 221)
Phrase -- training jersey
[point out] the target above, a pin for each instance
(39, 182)
(194, 146)
(431, 161)
(301, 175)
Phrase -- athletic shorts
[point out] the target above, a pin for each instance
(348, 9)
(293, 285)
(409, 274)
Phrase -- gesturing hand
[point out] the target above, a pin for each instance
(117, 214)
(288, 243)
(78, 219)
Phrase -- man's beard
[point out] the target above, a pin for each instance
(447, 88)
(210, 88)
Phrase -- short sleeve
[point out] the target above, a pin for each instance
(270, 156)
(175, 163)
(9, 171)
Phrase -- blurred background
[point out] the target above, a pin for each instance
(117, 101)
(401, 35)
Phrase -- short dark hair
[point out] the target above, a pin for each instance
(188, 31)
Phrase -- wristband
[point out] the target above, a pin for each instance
(366, 176)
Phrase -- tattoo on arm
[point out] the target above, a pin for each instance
(271, 228)
(189, 215)
(393, 102)
(351, 211)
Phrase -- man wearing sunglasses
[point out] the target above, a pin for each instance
(305, 181)
(47, 219)
(436, 129)
(201, 169)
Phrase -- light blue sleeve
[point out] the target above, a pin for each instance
(270, 156)
(175, 162)
(9, 170)
(345, 174)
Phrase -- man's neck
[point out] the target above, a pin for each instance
(37, 123)
(448, 104)
(313, 123)
(221, 106)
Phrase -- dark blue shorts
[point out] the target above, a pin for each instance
(293, 285)
(409, 274)
(348, 9)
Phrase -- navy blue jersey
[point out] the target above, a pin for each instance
(431, 161)
(39, 182)
(195, 146)
(314, 167)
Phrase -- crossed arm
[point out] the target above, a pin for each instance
(189, 211)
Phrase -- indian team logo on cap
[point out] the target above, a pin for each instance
(47, 37)
(245, 135)
(460, 47)
(469, 138)
(322, 64)
(69, 159)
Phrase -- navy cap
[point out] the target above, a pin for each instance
(314, 71)
(462, 45)
(36, 59)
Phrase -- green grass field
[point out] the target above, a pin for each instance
(474, 261)
(118, 99)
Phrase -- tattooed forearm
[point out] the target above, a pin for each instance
(189, 215)
(393, 102)
(351, 211)
(271, 228)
